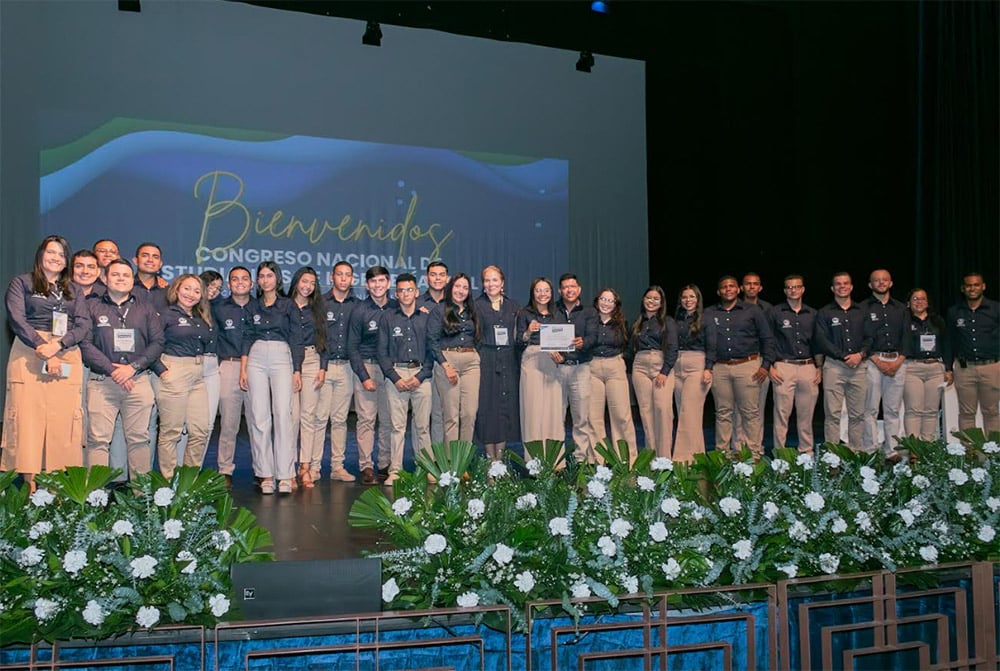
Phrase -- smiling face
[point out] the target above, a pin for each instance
(214, 288)
(189, 293)
(569, 290)
(120, 279)
(85, 270)
(53, 259)
(437, 278)
(148, 261)
(918, 303)
(406, 294)
(378, 286)
(492, 283)
(842, 286)
(606, 303)
(106, 251)
(651, 302)
(306, 286)
(880, 282)
(973, 287)
(729, 290)
(239, 283)
(542, 294)
(689, 300)
(460, 291)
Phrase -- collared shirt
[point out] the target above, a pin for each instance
(228, 317)
(97, 289)
(926, 338)
(527, 315)
(274, 323)
(147, 339)
(156, 296)
(337, 315)
(584, 321)
(491, 320)
(761, 303)
(427, 302)
(362, 334)
(304, 321)
(441, 336)
(685, 341)
(28, 313)
(184, 334)
(885, 324)
(739, 332)
(974, 334)
(609, 339)
(651, 336)
(793, 331)
(403, 339)
(840, 332)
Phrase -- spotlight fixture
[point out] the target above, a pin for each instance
(129, 6)
(373, 34)
(599, 7)
(586, 62)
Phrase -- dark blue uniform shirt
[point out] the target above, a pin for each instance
(99, 350)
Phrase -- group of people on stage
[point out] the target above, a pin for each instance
(111, 358)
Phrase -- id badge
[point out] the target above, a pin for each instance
(60, 323)
(928, 342)
(124, 340)
(500, 335)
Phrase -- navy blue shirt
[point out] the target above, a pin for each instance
(28, 312)
(918, 343)
(275, 323)
(609, 339)
(228, 317)
(403, 339)
(651, 336)
(685, 341)
(99, 350)
(583, 318)
(157, 296)
(793, 331)
(885, 324)
(362, 334)
(840, 332)
(525, 317)
(440, 336)
(337, 315)
(304, 326)
(974, 334)
(184, 334)
(739, 332)
(490, 320)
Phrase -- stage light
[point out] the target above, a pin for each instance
(373, 34)
(129, 6)
(599, 7)
(586, 62)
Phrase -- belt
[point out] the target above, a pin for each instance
(230, 358)
(197, 358)
(926, 360)
(733, 362)
(888, 356)
(371, 360)
(981, 362)
(458, 349)
(798, 362)
(571, 362)
(211, 354)
(408, 364)
(339, 362)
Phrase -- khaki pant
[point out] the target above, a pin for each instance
(656, 404)
(738, 429)
(459, 402)
(734, 392)
(978, 386)
(842, 383)
(543, 408)
(609, 384)
(233, 402)
(922, 392)
(799, 390)
(575, 382)
(269, 382)
(689, 395)
(334, 404)
(106, 403)
(369, 406)
(399, 402)
(889, 392)
(308, 424)
(181, 399)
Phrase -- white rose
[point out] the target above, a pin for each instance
(671, 569)
(830, 459)
(526, 502)
(871, 486)
(828, 563)
(218, 604)
(993, 503)
(42, 497)
(814, 501)
(172, 529)
(45, 608)
(122, 528)
(534, 467)
(921, 482)
(958, 476)
(190, 568)
(839, 526)
(730, 506)
(743, 468)
(662, 464)
(779, 466)
(790, 570)
(222, 540)
(978, 474)
(30, 556)
(929, 554)
(389, 590)
(147, 617)
(804, 461)
(524, 581)
(434, 544)
(401, 506)
(671, 506)
(986, 533)
(607, 546)
(498, 469)
(955, 449)
(907, 516)
(963, 508)
(468, 600)
(620, 528)
(74, 561)
(503, 554)
(603, 473)
(742, 549)
(867, 473)
(770, 510)
(93, 614)
(559, 526)
(596, 489)
(645, 484)
(97, 498)
(475, 508)
(630, 584)
(991, 447)
(902, 468)
(798, 531)
(39, 529)
(580, 590)
(863, 520)
(144, 566)
(658, 532)
(163, 497)
(447, 479)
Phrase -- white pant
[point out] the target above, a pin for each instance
(888, 391)
(269, 377)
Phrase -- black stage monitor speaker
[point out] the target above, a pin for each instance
(292, 589)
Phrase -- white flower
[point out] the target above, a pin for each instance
(45, 608)
(620, 528)
(498, 469)
(958, 476)
(742, 549)
(978, 474)
(172, 529)
(526, 502)
(798, 532)
(839, 526)
(401, 506)
(222, 540)
(921, 482)
(596, 489)
(93, 614)
(434, 544)
(658, 532)
(559, 526)
(871, 486)
(698, 513)
(662, 464)
(671, 569)
(39, 529)
(148, 616)
(907, 516)
(770, 510)
(607, 546)
(525, 582)
(447, 479)
(929, 554)
(814, 501)
(74, 561)
(389, 590)
(986, 533)
(868, 473)
(42, 497)
(475, 508)
(941, 527)
(645, 484)
(603, 473)
(190, 568)
(863, 520)
(468, 600)
(163, 497)
(671, 506)
(534, 467)
(791, 570)
(144, 566)
(779, 466)
(580, 590)
(503, 554)
(828, 563)
(963, 508)
(97, 498)
(630, 584)
(218, 604)
(955, 449)
(805, 461)
(902, 468)
(730, 506)
(743, 468)
(122, 528)
(30, 556)
(993, 503)
(916, 507)
(991, 447)
(185, 555)
(830, 459)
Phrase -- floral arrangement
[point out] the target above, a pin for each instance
(77, 561)
(518, 531)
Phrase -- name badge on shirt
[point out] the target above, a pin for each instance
(60, 323)
(500, 335)
(928, 342)
(124, 340)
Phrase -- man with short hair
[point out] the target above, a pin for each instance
(750, 288)
(233, 401)
(407, 364)
(840, 338)
(149, 286)
(974, 332)
(885, 328)
(437, 280)
(796, 373)
(106, 251)
(338, 386)
(573, 368)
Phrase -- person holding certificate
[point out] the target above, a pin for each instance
(542, 332)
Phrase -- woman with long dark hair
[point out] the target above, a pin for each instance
(926, 347)
(543, 408)
(310, 322)
(691, 379)
(452, 335)
(43, 426)
(654, 341)
(608, 379)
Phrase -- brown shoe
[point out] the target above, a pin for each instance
(368, 477)
(229, 481)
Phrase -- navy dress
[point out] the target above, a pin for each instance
(498, 420)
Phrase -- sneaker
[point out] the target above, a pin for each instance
(267, 486)
(285, 487)
(340, 474)
(391, 478)
(368, 477)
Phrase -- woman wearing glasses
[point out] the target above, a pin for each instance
(608, 379)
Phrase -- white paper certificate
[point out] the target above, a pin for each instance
(556, 337)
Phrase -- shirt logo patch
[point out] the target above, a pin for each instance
(874, 317)
(256, 319)
(102, 320)
(835, 321)
(182, 321)
(229, 324)
(716, 320)
(960, 322)
(397, 331)
(373, 325)
(329, 316)
(786, 324)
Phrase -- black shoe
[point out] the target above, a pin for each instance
(383, 473)
(368, 477)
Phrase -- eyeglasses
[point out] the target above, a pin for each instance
(794, 287)
(606, 301)
(405, 290)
